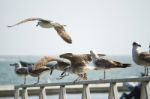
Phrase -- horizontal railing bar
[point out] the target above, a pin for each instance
(141, 79)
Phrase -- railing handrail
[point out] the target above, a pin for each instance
(141, 79)
(113, 90)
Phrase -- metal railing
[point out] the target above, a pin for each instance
(112, 94)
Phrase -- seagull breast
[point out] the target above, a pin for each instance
(45, 24)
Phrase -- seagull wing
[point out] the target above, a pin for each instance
(80, 60)
(25, 64)
(26, 20)
(43, 61)
(22, 71)
(145, 56)
(63, 34)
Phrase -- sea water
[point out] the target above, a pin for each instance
(8, 76)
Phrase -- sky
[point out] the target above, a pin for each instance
(105, 26)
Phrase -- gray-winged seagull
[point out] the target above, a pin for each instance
(21, 71)
(140, 57)
(49, 24)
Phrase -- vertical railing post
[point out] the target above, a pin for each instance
(24, 93)
(86, 92)
(113, 91)
(16, 96)
(62, 94)
(42, 93)
(145, 90)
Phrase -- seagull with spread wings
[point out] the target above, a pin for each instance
(79, 64)
(49, 24)
(140, 57)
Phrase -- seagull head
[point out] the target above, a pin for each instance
(135, 44)
(93, 55)
(15, 64)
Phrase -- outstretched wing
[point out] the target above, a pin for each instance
(26, 20)
(43, 61)
(62, 32)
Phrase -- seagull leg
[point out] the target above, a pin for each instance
(52, 69)
(85, 76)
(79, 77)
(104, 74)
(146, 71)
(76, 80)
(37, 80)
(64, 73)
(24, 79)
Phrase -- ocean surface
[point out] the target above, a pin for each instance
(8, 76)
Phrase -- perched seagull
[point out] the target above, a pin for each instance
(40, 67)
(49, 24)
(21, 71)
(104, 63)
(79, 64)
(139, 57)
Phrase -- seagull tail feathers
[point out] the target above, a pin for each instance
(126, 65)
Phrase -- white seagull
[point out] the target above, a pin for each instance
(140, 57)
(49, 24)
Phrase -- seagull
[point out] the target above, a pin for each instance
(49, 24)
(79, 64)
(21, 71)
(40, 67)
(101, 62)
(140, 57)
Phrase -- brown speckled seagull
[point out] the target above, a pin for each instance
(105, 63)
(79, 64)
(49, 24)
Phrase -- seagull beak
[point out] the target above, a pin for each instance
(139, 45)
(37, 24)
(12, 64)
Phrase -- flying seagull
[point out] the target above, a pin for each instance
(21, 71)
(140, 57)
(79, 64)
(105, 63)
(49, 24)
